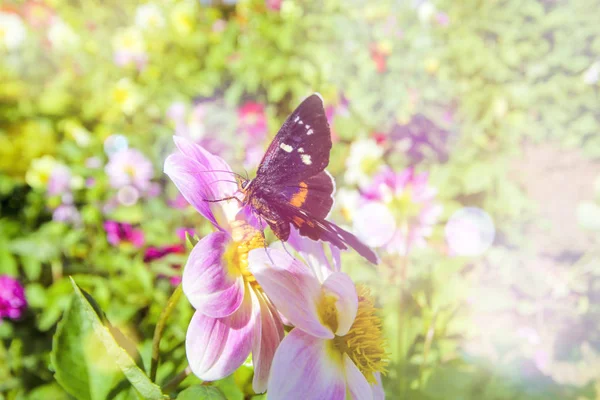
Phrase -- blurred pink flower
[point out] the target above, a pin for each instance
(442, 19)
(117, 233)
(38, 14)
(398, 211)
(68, 214)
(336, 346)
(129, 167)
(253, 121)
(12, 298)
(59, 181)
(233, 315)
(274, 5)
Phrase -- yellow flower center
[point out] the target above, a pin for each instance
(404, 207)
(245, 238)
(328, 311)
(369, 165)
(364, 343)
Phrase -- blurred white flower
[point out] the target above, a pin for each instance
(364, 161)
(591, 75)
(129, 47)
(149, 17)
(12, 31)
(62, 36)
(347, 201)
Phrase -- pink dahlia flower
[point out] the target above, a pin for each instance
(336, 346)
(12, 298)
(399, 211)
(233, 315)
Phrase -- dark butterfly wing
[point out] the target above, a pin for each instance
(314, 195)
(301, 147)
(319, 229)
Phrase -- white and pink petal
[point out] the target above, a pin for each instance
(357, 384)
(303, 368)
(341, 286)
(209, 286)
(292, 287)
(216, 347)
(268, 334)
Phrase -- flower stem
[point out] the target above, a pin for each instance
(177, 379)
(160, 327)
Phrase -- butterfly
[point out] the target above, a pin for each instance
(292, 187)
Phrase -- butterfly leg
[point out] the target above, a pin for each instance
(223, 199)
(286, 250)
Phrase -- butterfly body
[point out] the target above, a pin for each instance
(291, 186)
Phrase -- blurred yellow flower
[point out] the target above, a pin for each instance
(40, 171)
(183, 17)
(126, 95)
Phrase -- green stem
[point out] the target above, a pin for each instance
(177, 379)
(160, 327)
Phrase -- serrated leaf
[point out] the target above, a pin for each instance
(201, 393)
(87, 359)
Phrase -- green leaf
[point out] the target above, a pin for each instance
(87, 359)
(201, 393)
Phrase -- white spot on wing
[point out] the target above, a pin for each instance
(310, 132)
(307, 126)
(306, 159)
(300, 122)
(301, 150)
(296, 119)
(286, 147)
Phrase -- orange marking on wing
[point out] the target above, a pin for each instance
(300, 197)
(299, 221)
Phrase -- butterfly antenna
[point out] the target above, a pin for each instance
(222, 180)
(286, 250)
(222, 170)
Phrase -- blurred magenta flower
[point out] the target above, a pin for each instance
(153, 253)
(336, 346)
(253, 120)
(399, 211)
(118, 232)
(129, 167)
(233, 315)
(12, 298)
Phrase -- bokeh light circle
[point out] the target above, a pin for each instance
(114, 144)
(470, 232)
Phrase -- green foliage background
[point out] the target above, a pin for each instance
(511, 75)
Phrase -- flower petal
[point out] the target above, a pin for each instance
(304, 369)
(374, 224)
(292, 287)
(216, 347)
(343, 288)
(268, 334)
(377, 389)
(220, 169)
(193, 182)
(206, 281)
(356, 381)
